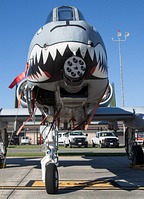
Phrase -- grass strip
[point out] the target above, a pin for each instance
(41, 154)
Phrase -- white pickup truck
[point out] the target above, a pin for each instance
(105, 139)
(75, 138)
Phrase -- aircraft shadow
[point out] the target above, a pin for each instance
(119, 175)
(23, 161)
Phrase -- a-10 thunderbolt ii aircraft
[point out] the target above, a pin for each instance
(67, 79)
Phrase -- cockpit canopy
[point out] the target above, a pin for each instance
(65, 13)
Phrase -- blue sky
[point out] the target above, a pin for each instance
(20, 19)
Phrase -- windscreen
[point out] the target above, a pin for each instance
(65, 13)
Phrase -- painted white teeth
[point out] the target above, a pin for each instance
(39, 76)
(52, 51)
(73, 47)
(100, 53)
(83, 50)
(99, 71)
(37, 51)
(45, 54)
(61, 47)
(91, 53)
(38, 55)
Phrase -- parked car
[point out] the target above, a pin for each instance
(61, 138)
(105, 139)
(14, 140)
(75, 138)
(25, 140)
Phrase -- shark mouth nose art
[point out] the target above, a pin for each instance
(41, 61)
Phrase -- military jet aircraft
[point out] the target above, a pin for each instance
(67, 80)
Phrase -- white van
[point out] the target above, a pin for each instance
(61, 138)
(25, 140)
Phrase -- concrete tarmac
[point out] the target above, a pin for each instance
(81, 177)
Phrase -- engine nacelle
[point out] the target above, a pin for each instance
(21, 93)
(107, 97)
(26, 96)
(30, 96)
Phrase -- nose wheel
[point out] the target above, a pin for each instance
(51, 178)
(49, 162)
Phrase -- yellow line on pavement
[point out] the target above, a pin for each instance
(99, 187)
(75, 183)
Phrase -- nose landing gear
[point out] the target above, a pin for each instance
(50, 162)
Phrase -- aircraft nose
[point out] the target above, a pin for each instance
(74, 68)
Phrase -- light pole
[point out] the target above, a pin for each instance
(119, 40)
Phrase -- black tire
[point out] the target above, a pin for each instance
(65, 145)
(70, 145)
(93, 144)
(51, 178)
(2, 163)
(138, 157)
(86, 146)
(100, 145)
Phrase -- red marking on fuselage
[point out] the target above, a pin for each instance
(93, 69)
(47, 74)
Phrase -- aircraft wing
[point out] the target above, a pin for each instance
(132, 116)
(21, 115)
